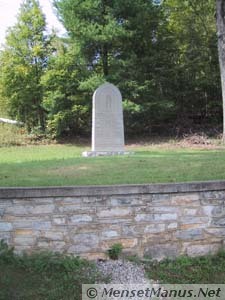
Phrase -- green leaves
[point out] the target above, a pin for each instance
(161, 54)
(23, 62)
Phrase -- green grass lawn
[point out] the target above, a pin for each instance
(62, 165)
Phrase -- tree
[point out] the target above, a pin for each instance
(67, 106)
(23, 61)
(120, 42)
(161, 54)
(93, 25)
(220, 12)
(196, 70)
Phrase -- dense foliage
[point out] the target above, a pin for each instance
(161, 54)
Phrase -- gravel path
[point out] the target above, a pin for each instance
(123, 272)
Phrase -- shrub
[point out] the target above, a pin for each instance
(115, 251)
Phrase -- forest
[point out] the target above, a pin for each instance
(162, 55)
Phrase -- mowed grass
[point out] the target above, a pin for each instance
(62, 165)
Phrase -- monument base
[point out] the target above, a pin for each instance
(104, 153)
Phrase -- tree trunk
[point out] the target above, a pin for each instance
(105, 60)
(220, 13)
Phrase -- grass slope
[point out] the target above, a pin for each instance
(62, 165)
(186, 270)
(48, 276)
(53, 276)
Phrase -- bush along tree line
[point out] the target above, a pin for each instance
(162, 55)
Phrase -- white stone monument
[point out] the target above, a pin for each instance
(107, 122)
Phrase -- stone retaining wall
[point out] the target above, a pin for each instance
(157, 220)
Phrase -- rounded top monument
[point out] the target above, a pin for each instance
(107, 122)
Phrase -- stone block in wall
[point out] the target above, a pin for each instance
(85, 228)
(43, 209)
(156, 209)
(219, 232)
(24, 241)
(101, 202)
(52, 235)
(2, 211)
(18, 210)
(22, 224)
(190, 234)
(218, 211)
(6, 236)
(108, 234)
(42, 244)
(219, 221)
(58, 246)
(193, 226)
(127, 243)
(126, 201)
(194, 220)
(5, 226)
(116, 221)
(214, 202)
(207, 210)
(114, 212)
(30, 209)
(23, 232)
(154, 228)
(75, 201)
(58, 220)
(94, 256)
(131, 230)
(54, 246)
(213, 195)
(77, 219)
(155, 217)
(172, 226)
(76, 209)
(157, 238)
(34, 201)
(203, 249)
(41, 225)
(88, 239)
(190, 211)
(144, 218)
(186, 199)
(80, 249)
(165, 217)
(159, 199)
(162, 251)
